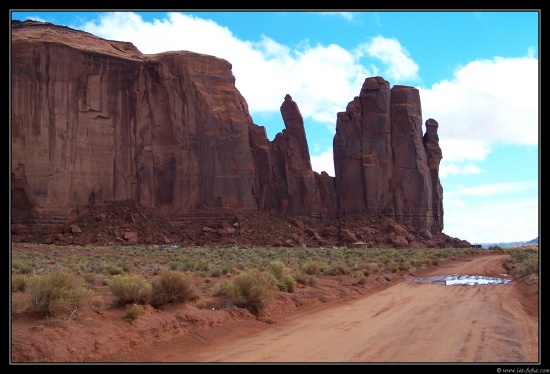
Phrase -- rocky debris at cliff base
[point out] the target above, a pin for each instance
(130, 223)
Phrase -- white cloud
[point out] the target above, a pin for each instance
(323, 162)
(346, 15)
(447, 169)
(489, 102)
(462, 150)
(399, 66)
(491, 221)
(492, 189)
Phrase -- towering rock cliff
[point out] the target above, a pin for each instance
(383, 165)
(95, 120)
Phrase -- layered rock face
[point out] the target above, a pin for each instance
(383, 164)
(96, 120)
(169, 130)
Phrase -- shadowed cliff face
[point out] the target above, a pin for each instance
(96, 120)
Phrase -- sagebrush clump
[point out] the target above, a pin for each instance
(55, 291)
(130, 288)
(250, 289)
(170, 286)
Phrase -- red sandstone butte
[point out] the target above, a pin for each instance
(95, 120)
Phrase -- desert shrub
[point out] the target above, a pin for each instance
(77, 295)
(393, 268)
(282, 276)
(496, 248)
(215, 272)
(404, 267)
(55, 291)
(306, 279)
(114, 270)
(226, 269)
(522, 263)
(311, 268)
(155, 268)
(527, 267)
(359, 274)
(89, 278)
(250, 289)
(134, 311)
(172, 286)
(532, 250)
(202, 266)
(338, 269)
(371, 268)
(518, 255)
(158, 296)
(219, 288)
(97, 302)
(129, 288)
(19, 282)
(301, 277)
(22, 267)
(200, 303)
(532, 278)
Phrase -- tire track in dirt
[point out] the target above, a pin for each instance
(407, 322)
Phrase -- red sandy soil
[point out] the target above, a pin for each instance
(330, 322)
(398, 321)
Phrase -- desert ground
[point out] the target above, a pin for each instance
(406, 322)
(380, 321)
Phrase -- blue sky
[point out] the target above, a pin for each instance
(477, 72)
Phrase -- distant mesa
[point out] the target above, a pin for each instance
(532, 242)
(95, 120)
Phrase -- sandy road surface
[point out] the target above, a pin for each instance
(408, 322)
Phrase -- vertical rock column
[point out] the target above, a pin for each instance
(363, 153)
(434, 154)
(376, 144)
(293, 175)
(346, 147)
(412, 178)
(263, 189)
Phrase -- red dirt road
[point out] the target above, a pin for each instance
(407, 322)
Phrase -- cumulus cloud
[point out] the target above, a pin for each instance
(447, 169)
(461, 149)
(323, 162)
(488, 101)
(492, 189)
(488, 220)
(399, 66)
